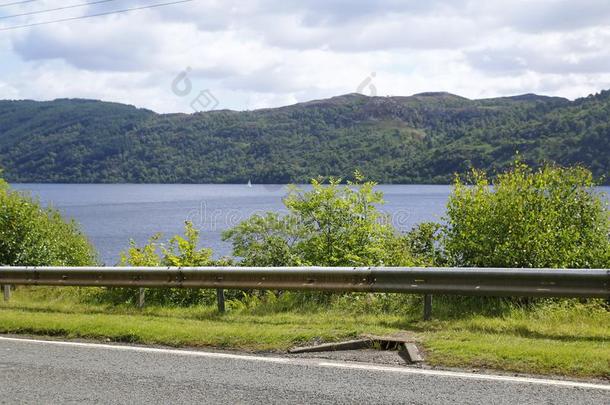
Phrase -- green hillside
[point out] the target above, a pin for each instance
(423, 138)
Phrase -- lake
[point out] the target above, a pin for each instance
(112, 214)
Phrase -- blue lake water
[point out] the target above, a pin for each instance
(112, 214)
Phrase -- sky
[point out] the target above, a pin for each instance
(242, 55)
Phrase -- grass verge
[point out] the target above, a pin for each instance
(560, 339)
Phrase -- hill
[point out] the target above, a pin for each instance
(423, 138)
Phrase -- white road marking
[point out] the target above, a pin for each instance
(457, 374)
(151, 350)
(344, 365)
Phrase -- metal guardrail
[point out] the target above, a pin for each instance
(586, 283)
(590, 283)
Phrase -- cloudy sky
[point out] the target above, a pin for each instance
(267, 53)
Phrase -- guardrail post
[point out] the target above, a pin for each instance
(220, 298)
(7, 292)
(141, 298)
(427, 307)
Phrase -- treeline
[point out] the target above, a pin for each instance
(424, 138)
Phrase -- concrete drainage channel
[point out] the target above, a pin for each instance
(403, 346)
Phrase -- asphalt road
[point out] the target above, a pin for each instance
(33, 371)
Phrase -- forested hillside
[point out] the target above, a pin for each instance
(423, 138)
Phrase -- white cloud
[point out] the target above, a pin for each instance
(266, 53)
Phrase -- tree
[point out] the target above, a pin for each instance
(178, 252)
(31, 235)
(546, 217)
(330, 225)
(267, 240)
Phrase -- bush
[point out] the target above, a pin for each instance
(31, 235)
(179, 252)
(330, 225)
(424, 241)
(548, 217)
(266, 240)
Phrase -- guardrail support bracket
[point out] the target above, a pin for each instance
(7, 292)
(427, 307)
(141, 298)
(220, 298)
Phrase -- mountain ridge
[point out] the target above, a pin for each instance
(423, 138)
(360, 96)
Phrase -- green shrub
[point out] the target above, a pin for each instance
(330, 225)
(179, 252)
(424, 241)
(31, 235)
(266, 240)
(548, 217)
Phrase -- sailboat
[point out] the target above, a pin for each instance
(249, 183)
